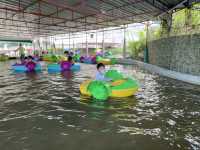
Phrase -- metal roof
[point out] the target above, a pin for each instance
(32, 18)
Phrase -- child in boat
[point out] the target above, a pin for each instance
(70, 59)
(71, 54)
(24, 61)
(36, 56)
(31, 64)
(66, 53)
(30, 59)
(100, 75)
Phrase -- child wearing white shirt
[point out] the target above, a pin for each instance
(100, 75)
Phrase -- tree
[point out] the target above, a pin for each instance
(137, 46)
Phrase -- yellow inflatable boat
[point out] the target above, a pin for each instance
(105, 61)
(54, 58)
(118, 88)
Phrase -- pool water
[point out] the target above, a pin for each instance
(46, 112)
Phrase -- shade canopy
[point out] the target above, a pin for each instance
(33, 18)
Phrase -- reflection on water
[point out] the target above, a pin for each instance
(45, 111)
(114, 104)
(67, 74)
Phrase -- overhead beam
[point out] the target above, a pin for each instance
(173, 8)
(33, 31)
(25, 8)
(25, 41)
(65, 6)
(62, 9)
(30, 27)
(122, 9)
(154, 4)
(94, 15)
(44, 15)
(124, 17)
(45, 24)
(11, 32)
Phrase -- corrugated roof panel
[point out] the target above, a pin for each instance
(54, 17)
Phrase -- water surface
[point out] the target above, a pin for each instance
(46, 112)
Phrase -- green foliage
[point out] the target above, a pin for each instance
(115, 51)
(3, 57)
(137, 46)
(157, 33)
(182, 20)
(196, 14)
(186, 17)
(179, 19)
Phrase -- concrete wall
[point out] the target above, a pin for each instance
(163, 72)
(181, 53)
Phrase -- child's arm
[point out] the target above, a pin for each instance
(107, 79)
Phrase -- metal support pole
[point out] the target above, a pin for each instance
(96, 41)
(147, 30)
(50, 45)
(69, 41)
(46, 43)
(103, 43)
(53, 44)
(82, 45)
(86, 45)
(146, 52)
(39, 46)
(124, 44)
(73, 44)
(33, 43)
(62, 46)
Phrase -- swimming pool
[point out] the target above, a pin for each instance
(46, 112)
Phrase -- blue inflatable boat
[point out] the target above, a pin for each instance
(58, 68)
(24, 68)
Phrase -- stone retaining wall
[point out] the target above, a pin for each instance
(181, 53)
(163, 72)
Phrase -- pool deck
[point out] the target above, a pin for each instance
(163, 72)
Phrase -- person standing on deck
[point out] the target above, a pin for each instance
(21, 50)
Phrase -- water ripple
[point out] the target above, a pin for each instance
(46, 112)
